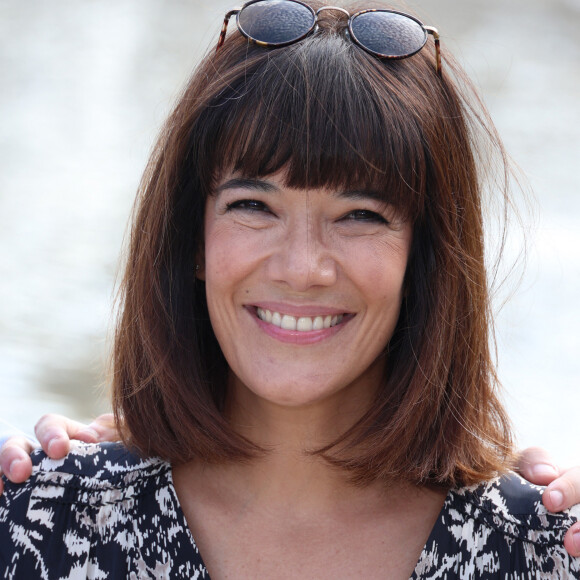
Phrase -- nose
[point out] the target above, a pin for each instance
(303, 259)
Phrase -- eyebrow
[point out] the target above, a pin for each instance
(248, 184)
(267, 187)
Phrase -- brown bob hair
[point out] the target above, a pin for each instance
(331, 115)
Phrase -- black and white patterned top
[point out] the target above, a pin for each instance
(104, 513)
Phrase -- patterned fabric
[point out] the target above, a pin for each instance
(499, 529)
(104, 513)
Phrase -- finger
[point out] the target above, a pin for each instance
(572, 540)
(537, 466)
(54, 432)
(105, 428)
(563, 492)
(15, 460)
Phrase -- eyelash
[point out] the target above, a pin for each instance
(248, 205)
(365, 215)
(253, 205)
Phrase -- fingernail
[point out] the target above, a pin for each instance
(542, 470)
(12, 465)
(50, 444)
(557, 499)
(576, 541)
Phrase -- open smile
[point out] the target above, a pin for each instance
(298, 323)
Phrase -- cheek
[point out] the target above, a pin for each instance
(231, 257)
(222, 247)
(382, 271)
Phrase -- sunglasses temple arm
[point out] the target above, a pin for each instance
(434, 32)
(225, 27)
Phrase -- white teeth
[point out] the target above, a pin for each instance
(288, 322)
(302, 324)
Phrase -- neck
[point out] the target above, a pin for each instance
(290, 499)
(289, 471)
(289, 475)
(297, 430)
(287, 483)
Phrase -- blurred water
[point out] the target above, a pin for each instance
(84, 87)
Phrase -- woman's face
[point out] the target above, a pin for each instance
(304, 288)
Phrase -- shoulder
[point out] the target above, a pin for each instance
(501, 526)
(512, 507)
(100, 506)
(91, 474)
(98, 467)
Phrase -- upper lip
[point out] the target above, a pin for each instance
(301, 310)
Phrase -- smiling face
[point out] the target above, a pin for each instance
(304, 288)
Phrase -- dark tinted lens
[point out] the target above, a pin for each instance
(388, 34)
(275, 21)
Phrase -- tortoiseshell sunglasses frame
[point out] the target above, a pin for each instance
(428, 29)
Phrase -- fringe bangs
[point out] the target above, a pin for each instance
(317, 111)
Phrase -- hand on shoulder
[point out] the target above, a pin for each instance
(562, 491)
(54, 433)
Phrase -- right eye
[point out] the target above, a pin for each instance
(252, 205)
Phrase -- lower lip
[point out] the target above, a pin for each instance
(299, 337)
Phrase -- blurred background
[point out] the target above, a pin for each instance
(84, 88)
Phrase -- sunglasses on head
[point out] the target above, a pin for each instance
(383, 33)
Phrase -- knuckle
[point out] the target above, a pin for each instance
(106, 419)
(13, 449)
(41, 425)
(12, 445)
(531, 455)
(46, 419)
(49, 426)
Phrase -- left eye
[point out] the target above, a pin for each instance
(251, 205)
(365, 215)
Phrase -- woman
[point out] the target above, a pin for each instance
(304, 333)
